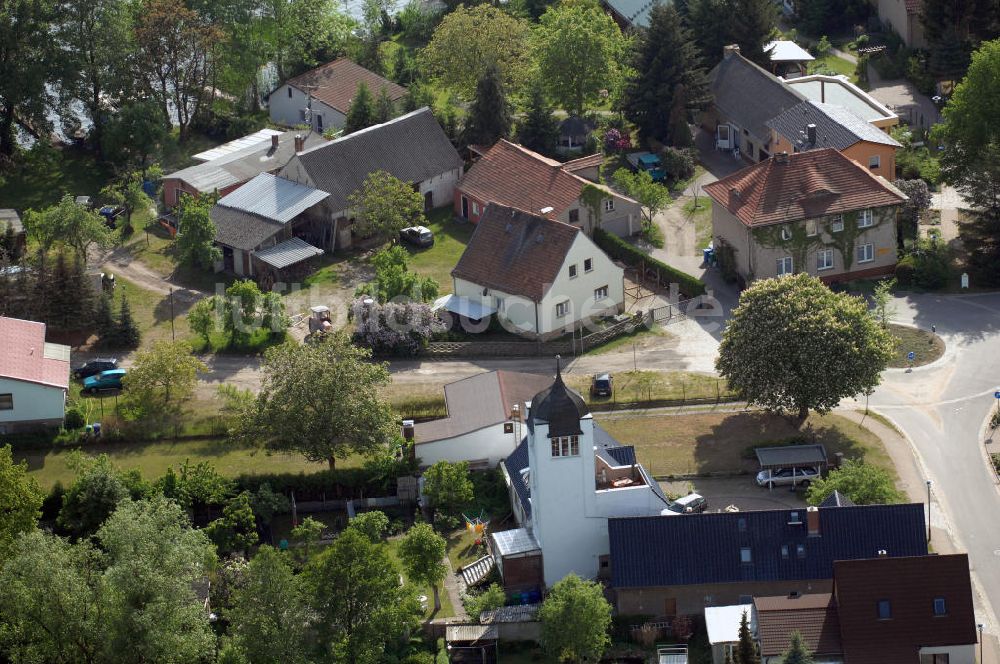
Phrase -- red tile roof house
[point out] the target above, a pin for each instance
(817, 212)
(325, 93)
(512, 175)
(34, 377)
(541, 277)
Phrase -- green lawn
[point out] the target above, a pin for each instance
(447, 610)
(152, 312)
(450, 238)
(836, 64)
(927, 346)
(40, 181)
(630, 386)
(700, 443)
(153, 459)
(701, 215)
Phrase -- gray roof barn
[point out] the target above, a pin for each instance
(273, 198)
(242, 230)
(836, 127)
(748, 95)
(413, 148)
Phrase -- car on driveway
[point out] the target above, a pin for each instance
(95, 367)
(689, 504)
(787, 476)
(106, 380)
(418, 236)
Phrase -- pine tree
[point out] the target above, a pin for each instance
(752, 24)
(797, 652)
(104, 322)
(9, 246)
(38, 303)
(24, 287)
(127, 334)
(539, 130)
(62, 301)
(489, 117)
(385, 110)
(746, 650)
(709, 25)
(418, 96)
(666, 63)
(8, 297)
(361, 114)
(85, 295)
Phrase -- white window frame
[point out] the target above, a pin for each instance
(588, 264)
(812, 228)
(786, 233)
(609, 205)
(866, 252)
(573, 271)
(874, 162)
(866, 219)
(475, 208)
(837, 224)
(785, 265)
(562, 309)
(600, 293)
(8, 398)
(824, 259)
(565, 446)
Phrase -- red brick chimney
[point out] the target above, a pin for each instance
(812, 521)
(299, 143)
(274, 141)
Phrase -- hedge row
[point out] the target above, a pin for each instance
(619, 249)
(340, 483)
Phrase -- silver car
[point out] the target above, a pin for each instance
(787, 476)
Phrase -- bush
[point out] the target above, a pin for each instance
(395, 328)
(678, 164)
(341, 483)
(927, 268)
(416, 23)
(73, 419)
(619, 249)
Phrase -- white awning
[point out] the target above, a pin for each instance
(787, 51)
(287, 253)
(723, 622)
(463, 306)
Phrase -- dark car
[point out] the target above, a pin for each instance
(95, 367)
(602, 385)
(418, 236)
(111, 214)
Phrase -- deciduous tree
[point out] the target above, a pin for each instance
(667, 75)
(393, 279)
(362, 112)
(919, 200)
(21, 498)
(372, 525)
(385, 204)
(862, 482)
(652, 196)
(422, 551)
(160, 381)
(580, 51)
(575, 619)
(94, 495)
(236, 529)
(489, 118)
(69, 224)
(469, 40)
(448, 487)
(787, 331)
(321, 400)
(196, 232)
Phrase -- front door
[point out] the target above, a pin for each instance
(428, 201)
(670, 606)
(723, 139)
(465, 207)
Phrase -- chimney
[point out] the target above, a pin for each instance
(781, 157)
(408, 430)
(811, 133)
(728, 51)
(822, 91)
(299, 143)
(812, 521)
(274, 141)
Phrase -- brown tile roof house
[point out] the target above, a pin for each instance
(480, 401)
(803, 185)
(509, 174)
(813, 616)
(335, 83)
(515, 252)
(927, 604)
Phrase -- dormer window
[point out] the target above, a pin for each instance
(565, 446)
(786, 233)
(746, 556)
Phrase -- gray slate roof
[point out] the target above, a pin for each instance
(791, 455)
(273, 198)
(635, 12)
(244, 164)
(242, 230)
(837, 499)
(413, 148)
(749, 96)
(291, 251)
(836, 127)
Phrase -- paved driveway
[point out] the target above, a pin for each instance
(740, 491)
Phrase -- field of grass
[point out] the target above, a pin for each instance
(641, 337)
(153, 459)
(40, 181)
(700, 443)
(152, 312)
(633, 386)
(701, 215)
(836, 64)
(450, 238)
(447, 610)
(928, 347)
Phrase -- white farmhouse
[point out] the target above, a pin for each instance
(34, 377)
(322, 96)
(566, 479)
(541, 277)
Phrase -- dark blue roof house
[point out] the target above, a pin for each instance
(680, 564)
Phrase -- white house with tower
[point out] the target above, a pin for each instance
(566, 478)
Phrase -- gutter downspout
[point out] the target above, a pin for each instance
(538, 331)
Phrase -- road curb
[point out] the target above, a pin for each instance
(946, 356)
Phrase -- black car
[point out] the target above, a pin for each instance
(418, 236)
(95, 367)
(601, 385)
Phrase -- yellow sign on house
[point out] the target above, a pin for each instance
(882, 251)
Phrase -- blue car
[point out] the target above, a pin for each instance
(106, 380)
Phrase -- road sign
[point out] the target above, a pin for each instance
(912, 356)
(996, 395)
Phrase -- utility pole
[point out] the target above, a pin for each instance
(172, 337)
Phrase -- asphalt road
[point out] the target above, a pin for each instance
(942, 408)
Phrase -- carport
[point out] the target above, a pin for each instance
(792, 456)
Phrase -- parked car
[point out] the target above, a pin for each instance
(649, 162)
(111, 214)
(787, 476)
(418, 236)
(106, 380)
(95, 367)
(601, 385)
(689, 504)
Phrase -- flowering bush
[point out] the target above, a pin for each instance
(394, 328)
(616, 140)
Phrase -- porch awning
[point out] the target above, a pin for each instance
(463, 306)
(287, 253)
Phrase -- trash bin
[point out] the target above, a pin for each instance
(708, 255)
